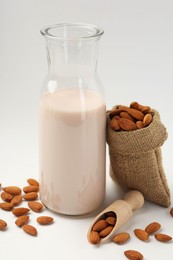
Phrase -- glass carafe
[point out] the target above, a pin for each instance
(72, 121)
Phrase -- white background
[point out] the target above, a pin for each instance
(135, 64)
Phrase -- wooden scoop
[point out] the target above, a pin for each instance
(123, 210)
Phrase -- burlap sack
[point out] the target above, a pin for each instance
(136, 161)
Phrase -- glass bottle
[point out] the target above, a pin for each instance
(72, 121)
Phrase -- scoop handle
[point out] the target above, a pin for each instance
(135, 199)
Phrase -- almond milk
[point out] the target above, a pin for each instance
(72, 150)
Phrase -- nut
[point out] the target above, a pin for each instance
(114, 124)
(33, 182)
(163, 237)
(44, 220)
(22, 220)
(20, 211)
(105, 232)
(127, 124)
(147, 119)
(152, 228)
(6, 206)
(13, 190)
(133, 255)
(6, 196)
(171, 212)
(111, 220)
(121, 238)
(35, 206)
(30, 230)
(3, 224)
(94, 237)
(100, 225)
(31, 188)
(30, 196)
(141, 234)
(16, 200)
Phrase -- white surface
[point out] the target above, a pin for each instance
(135, 63)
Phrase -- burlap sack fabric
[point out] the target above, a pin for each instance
(136, 160)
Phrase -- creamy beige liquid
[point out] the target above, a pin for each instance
(72, 150)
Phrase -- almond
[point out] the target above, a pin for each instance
(22, 220)
(152, 228)
(144, 109)
(44, 220)
(111, 220)
(20, 211)
(133, 255)
(105, 232)
(6, 206)
(100, 225)
(30, 230)
(171, 212)
(135, 113)
(115, 112)
(30, 196)
(127, 124)
(3, 224)
(141, 234)
(134, 105)
(13, 190)
(121, 238)
(163, 237)
(16, 200)
(33, 182)
(140, 124)
(6, 196)
(94, 237)
(35, 206)
(126, 115)
(147, 119)
(114, 124)
(30, 188)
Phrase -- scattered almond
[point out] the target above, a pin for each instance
(6, 196)
(152, 228)
(105, 232)
(22, 220)
(16, 200)
(30, 230)
(163, 237)
(33, 182)
(141, 234)
(100, 225)
(30, 188)
(35, 206)
(94, 237)
(171, 212)
(3, 224)
(30, 196)
(133, 255)
(121, 238)
(13, 190)
(44, 220)
(6, 206)
(20, 211)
